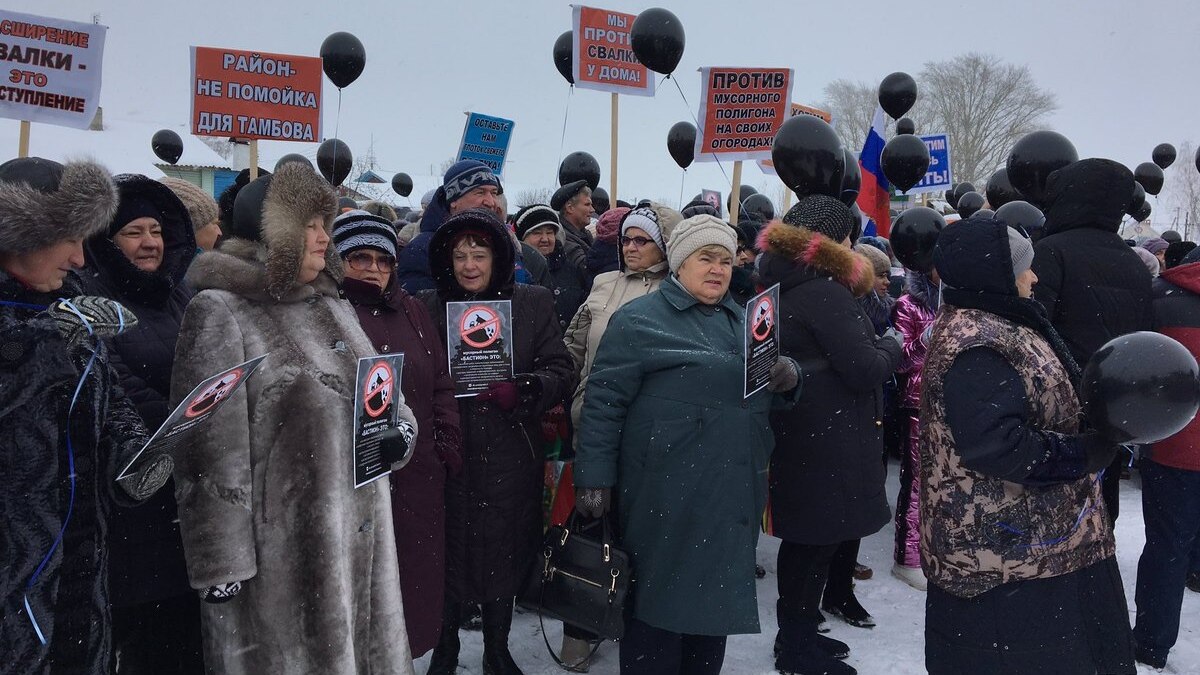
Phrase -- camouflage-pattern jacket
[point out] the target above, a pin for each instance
(977, 531)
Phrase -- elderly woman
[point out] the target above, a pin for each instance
(827, 473)
(66, 428)
(665, 427)
(140, 261)
(1014, 533)
(397, 322)
(297, 567)
(493, 507)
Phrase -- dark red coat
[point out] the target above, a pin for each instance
(396, 322)
(1177, 315)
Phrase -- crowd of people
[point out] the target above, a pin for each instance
(248, 549)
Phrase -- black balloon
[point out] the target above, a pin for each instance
(1143, 213)
(1141, 388)
(808, 157)
(758, 207)
(905, 160)
(969, 204)
(334, 161)
(293, 157)
(1024, 217)
(1198, 159)
(1137, 200)
(1000, 190)
(402, 184)
(1163, 155)
(600, 201)
(961, 189)
(897, 94)
(905, 125)
(914, 234)
(985, 213)
(564, 56)
(852, 179)
(167, 145)
(681, 143)
(744, 193)
(1150, 176)
(343, 58)
(856, 219)
(579, 165)
(657, 39)
(1034, 158)
(951, 195)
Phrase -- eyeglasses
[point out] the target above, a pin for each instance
(363, 261)
(637, 242)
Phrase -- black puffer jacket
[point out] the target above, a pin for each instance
(827, 471)
(571, 285)
(493, 507)
(70, 596)
(1093, 286)
(146, 553)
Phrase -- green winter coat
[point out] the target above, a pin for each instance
(664, 423)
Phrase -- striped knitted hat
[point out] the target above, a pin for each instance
(358, 229)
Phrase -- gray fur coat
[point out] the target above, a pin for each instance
(266, 491)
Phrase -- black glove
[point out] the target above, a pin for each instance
(1100, 450)
(398, 444)
(529, 394)
(593, 502)
(150, 473)
(89, 315)
(221, 593)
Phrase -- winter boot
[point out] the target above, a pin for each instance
(851, 612)
(497, 622)
(445, 654)
(835, 648)
(913, 576)
(810, 659)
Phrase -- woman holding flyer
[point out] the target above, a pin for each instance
(296, 567)
(493, 507)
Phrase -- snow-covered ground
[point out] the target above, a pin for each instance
(894, 647)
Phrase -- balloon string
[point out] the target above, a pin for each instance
(337, 125)
(682, 180)
(562, 140)
(720, 166)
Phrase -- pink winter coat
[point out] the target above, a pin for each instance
(913, 313)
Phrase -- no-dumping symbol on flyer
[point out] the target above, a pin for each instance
(377, 391)
(214, 393)
(480, 326)
(763, 319)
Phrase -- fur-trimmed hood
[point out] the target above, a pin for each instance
(267, 269)
(922, 289)
(63, 201)
(789, 251)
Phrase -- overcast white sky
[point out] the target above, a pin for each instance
(1124, 72)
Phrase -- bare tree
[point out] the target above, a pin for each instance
(532, 196)
(1181, 203)
(852, 105)
(985, 105)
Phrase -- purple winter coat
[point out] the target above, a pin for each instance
(395, 322)
(913, 313)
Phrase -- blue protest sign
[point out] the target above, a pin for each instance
(938, 178)
(485, 139)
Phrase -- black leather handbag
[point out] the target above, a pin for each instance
(580, 580)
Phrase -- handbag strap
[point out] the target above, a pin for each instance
(541, 622)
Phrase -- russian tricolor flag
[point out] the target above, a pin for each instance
(874, 197)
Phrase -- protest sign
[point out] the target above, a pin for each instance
(741, 109)
(376, 391)
(486, 139)
(256, 95)
(197, 407)
(766, 165)
(603, 56)
(53, 69)
(478, 344)
(761, 344)
(938, 177)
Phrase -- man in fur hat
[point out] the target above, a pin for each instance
(66, 429)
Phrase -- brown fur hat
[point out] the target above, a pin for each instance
(43, 202)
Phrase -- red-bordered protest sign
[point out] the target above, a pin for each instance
(52, 69)
(603, 56)
(213, 394)
(761, 339)
(377, 390)
(479, 326)
(377, 393)
(478, 344)
(256, 95)
(741, 109)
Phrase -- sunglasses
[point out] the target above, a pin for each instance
(363, 261)
(637, 242)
